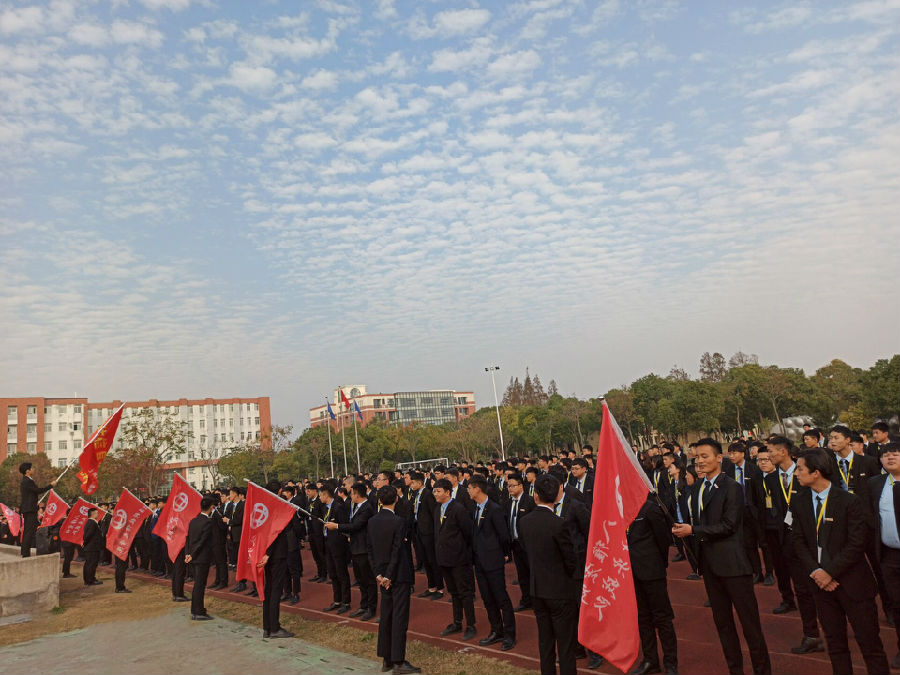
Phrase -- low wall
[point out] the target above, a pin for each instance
(27, 585)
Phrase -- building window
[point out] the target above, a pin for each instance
(231, 423)
(48, 446)
(77, 444)
(62, 426)
(222, 437)
(48, 427)
(46, 410)
(63, 445)
(257, 435)
(216, 423)
(203, 440)
(32, 410)
(76, 426)
(31, 429)
(12, 411)
(10, 449)
(62, 462)
(32, 448)
(256, 420)
(202, 424)
(77, 409)
(256, 406)
(12, 430)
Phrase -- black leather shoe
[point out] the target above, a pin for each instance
(595, 661)
(452, 629)
(756, 579)
(95, 582)
(491, 639)
(332, 606)
(808, 645)
(769, 580)
(266, 635)
(679, 558)
(386, 666)
(437, 595)
(508, 643)
(281, 633)
(693, 576)
(522, 608)
(367, 616)
(425, 594)
(122, 590)
(240, 588)
(784, 608)
(68, 576)
(405, 668)
(646, 668)
(285, 597)
(294, 600)
(201, 617)
(252, 594)
(343, 609)
(179, 598)
(469, 633)
(356, 613)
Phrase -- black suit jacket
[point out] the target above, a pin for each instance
(577, 518)
(752, 484)
(490, 537)
(335, 542)
(718, 538)
(588, 494)
(355, 527)
(199, 541)
(525, 506)
(28, 495)
(861, 470)
(425, 516)
(873, 491)
(462, 497)
(842, 540)
(389, 554)
(551, 555)
(780, 507)
(93, 538)
(453, 538)
(648, 542)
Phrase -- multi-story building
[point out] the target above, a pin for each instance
(59, 427)
(436, 406)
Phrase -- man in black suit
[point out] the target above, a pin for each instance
(388, 549)
(337, 549)
(356, 528)
(582, 480)
(648, 545)
(490, 549)
(296, 531)
(830, 540)
(519, 505)
(453, 550)
(884, 501)
(716, 529)
(552, 560)
(235, 528)
(850, 471)
(423, 528)
(458, 491)
(316, 533)
(274, 562)
(92, 544)
(220, 534)
(748, 477)
(28, 506)
(198, 553)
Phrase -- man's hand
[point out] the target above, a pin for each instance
(225, 520)
(386, 583)
(262, 561)
(682, 530)
(830, 587)
(331, 525)
(188, 559)
(52, 483)
(821, 577)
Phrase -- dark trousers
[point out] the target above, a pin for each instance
(132, 555)
(461, 584)
(89, 571)
(368, 587)
(890, 572)
(429, 560)
(220, 561)
(781, 567)
(655, 615)
(294, 573)
(121, 566)
(317, 546)
(789, 573)
(393, 623)
(178, 573)
(492, 586)
(835, 610)
(523, 571)
(417, 547)
(29, 530)
(728, 595)
(68, 551)
(201, 574)
(274, 575)
(340, 577)
(768, 566)
(751, 541)
(557, 622)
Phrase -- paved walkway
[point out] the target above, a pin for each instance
(172, 644)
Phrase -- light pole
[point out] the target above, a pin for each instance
(491, 369)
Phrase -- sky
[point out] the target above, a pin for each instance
(272, 199)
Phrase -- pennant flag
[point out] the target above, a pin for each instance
(72, 530)
(265, 516)
(181, 508)
(358, 413)
(129, 513)
(95, 450)
(331, 412)
(345, 400)
(13, 518)
(608, 622)
(55, 510)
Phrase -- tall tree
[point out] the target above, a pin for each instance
(679, 374)
(552, 389)
(712, 367)
(739, 359)
(527, 390)
(148, 439)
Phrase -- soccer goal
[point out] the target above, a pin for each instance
(403, 466)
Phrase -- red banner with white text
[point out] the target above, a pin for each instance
(55, 510)
(181, 507)
(265, 516)
(72, 529)
(127, 517)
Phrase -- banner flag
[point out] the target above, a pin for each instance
(128, 515)
(95, 450)
(345, 400)
(72, 529)
(13, 518)
(265, 516)
(55, 510)
(181, 508)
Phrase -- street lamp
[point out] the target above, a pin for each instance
(491, 369)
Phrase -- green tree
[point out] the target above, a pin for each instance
(148, 439)
(880, 393)
(712, 367)
(836, 389)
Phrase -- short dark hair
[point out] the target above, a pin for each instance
(546, 488)
(841, 429)
(580, 461)
(480, 482)
(893, 446)
(274, 486)
(206, 503)
(812, 433)
(452, 471)
(532, 469)
(855, 437)
(557, 472)
(387, 495)
(737, 446)
(360, 488)
(443, 484)
(588, 447)
(417, 475)
(328, 488)
(881, 426)
(711, 443)
(781, 441)
(516, 476)
(817, 459)
(23, 467)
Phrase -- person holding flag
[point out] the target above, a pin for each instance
(129, 514)
(198, 553)
(28, 506)
(91, 544)
(171, 526)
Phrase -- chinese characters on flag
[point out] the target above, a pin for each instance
(72, 530)
(127, 517)
(181, 507)
(95, 451)
(608, 621)
(265, 516)
(55, 510)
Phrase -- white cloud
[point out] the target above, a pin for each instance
(174, 5)
(321, 80)
(22, 20)
(511, 65)
(450, 60)
(457, 22)
(132, 32)
(251, 78)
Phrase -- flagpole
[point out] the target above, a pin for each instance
(356, 435)
(68, 466)
(343, 441)
(330, 453)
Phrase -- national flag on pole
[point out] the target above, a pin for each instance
(265, 516)
(358, 413)
(181, 508)
(331, 412)
(608, 622)
(73, 529)
(95, 451)
(55, 510)
(345, 400)
(130, 512)
(13, 518)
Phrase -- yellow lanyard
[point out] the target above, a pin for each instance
(821, 514)
(787, 495)
(846, 476)
(702, 491)
(891, 478)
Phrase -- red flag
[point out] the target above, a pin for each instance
(265, 516)
(14, 519)
(181, 507)
(129, 513)
(345, 400)
(55, 510)
(608, 622)
(95, 450)
(73, 529)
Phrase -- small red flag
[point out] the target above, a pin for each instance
(265, 516)
(55, 510)
(127, 517)
(181, 507)
(608, 621)
(95, 451)
(72, 530)
(13, 518)
(345, 400)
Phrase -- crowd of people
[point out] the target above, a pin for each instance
(820, 523)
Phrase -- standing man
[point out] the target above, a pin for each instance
(360, 513)
(554, 591)
(490, 548)
(28, 506)
(748, 477)
(520, 504)
(582, 480)
(852, 471)
(220, 533)
(92, 544)
(388, 550)
(727, 575)
(316, 533)
(274, 562)
(337, 550)
(236, 526)
(453, 550)
(830, 539)
(424, 507)
(199, 554)
(884, 500)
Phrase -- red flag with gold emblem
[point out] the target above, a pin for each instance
(95, 451)
(55, 510)
(127, 517)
